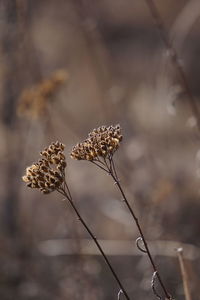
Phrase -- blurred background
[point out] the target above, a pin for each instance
(67, 67)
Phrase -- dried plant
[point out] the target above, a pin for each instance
(34, 101)
(48, 175)
(99, 149)
(101, 143)
(175, 59)
(184, 274)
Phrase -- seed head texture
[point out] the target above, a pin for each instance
(47, 174)
(101, 142)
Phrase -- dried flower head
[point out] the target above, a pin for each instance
(101, 142)
(48, 174)
(34, 101)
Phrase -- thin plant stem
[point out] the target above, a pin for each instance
(68, 196)
(174, 58)
(108, 166)
(113, 167)
(116, 181)
(95, 163)
(184, 274)
(142, 235)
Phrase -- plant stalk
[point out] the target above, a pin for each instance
(141, 234)
(184, 274)
(174, 58)
(69, 198)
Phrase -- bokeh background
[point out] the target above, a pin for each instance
(67, 67)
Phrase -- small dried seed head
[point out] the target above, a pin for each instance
(34, 101)
(101, 142)
(48, 173)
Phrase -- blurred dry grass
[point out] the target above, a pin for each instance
(119, 72)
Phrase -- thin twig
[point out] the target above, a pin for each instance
(95, 163)
(115, 178)
(69, 198)
(184, 274)
(113, 166)
(174, 58)
(142, 236)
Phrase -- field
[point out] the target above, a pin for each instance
(68, 67)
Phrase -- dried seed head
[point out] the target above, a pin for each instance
(34, 101)
(48, 173)
(101, 142)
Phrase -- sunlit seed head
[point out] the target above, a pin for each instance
(101, 142)
(47, 174)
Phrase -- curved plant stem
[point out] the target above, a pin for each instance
(69, 198)
(111, 170)
(142, 235)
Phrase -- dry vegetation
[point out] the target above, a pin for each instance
(67, 67)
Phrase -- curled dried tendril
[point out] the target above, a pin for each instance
(154, 276)
(48, 174)
(140, 244)
(119, 294)
(101, 143)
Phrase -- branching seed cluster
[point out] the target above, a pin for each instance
(48, 173)
(101, 142)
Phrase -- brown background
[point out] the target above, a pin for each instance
(119, 72)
